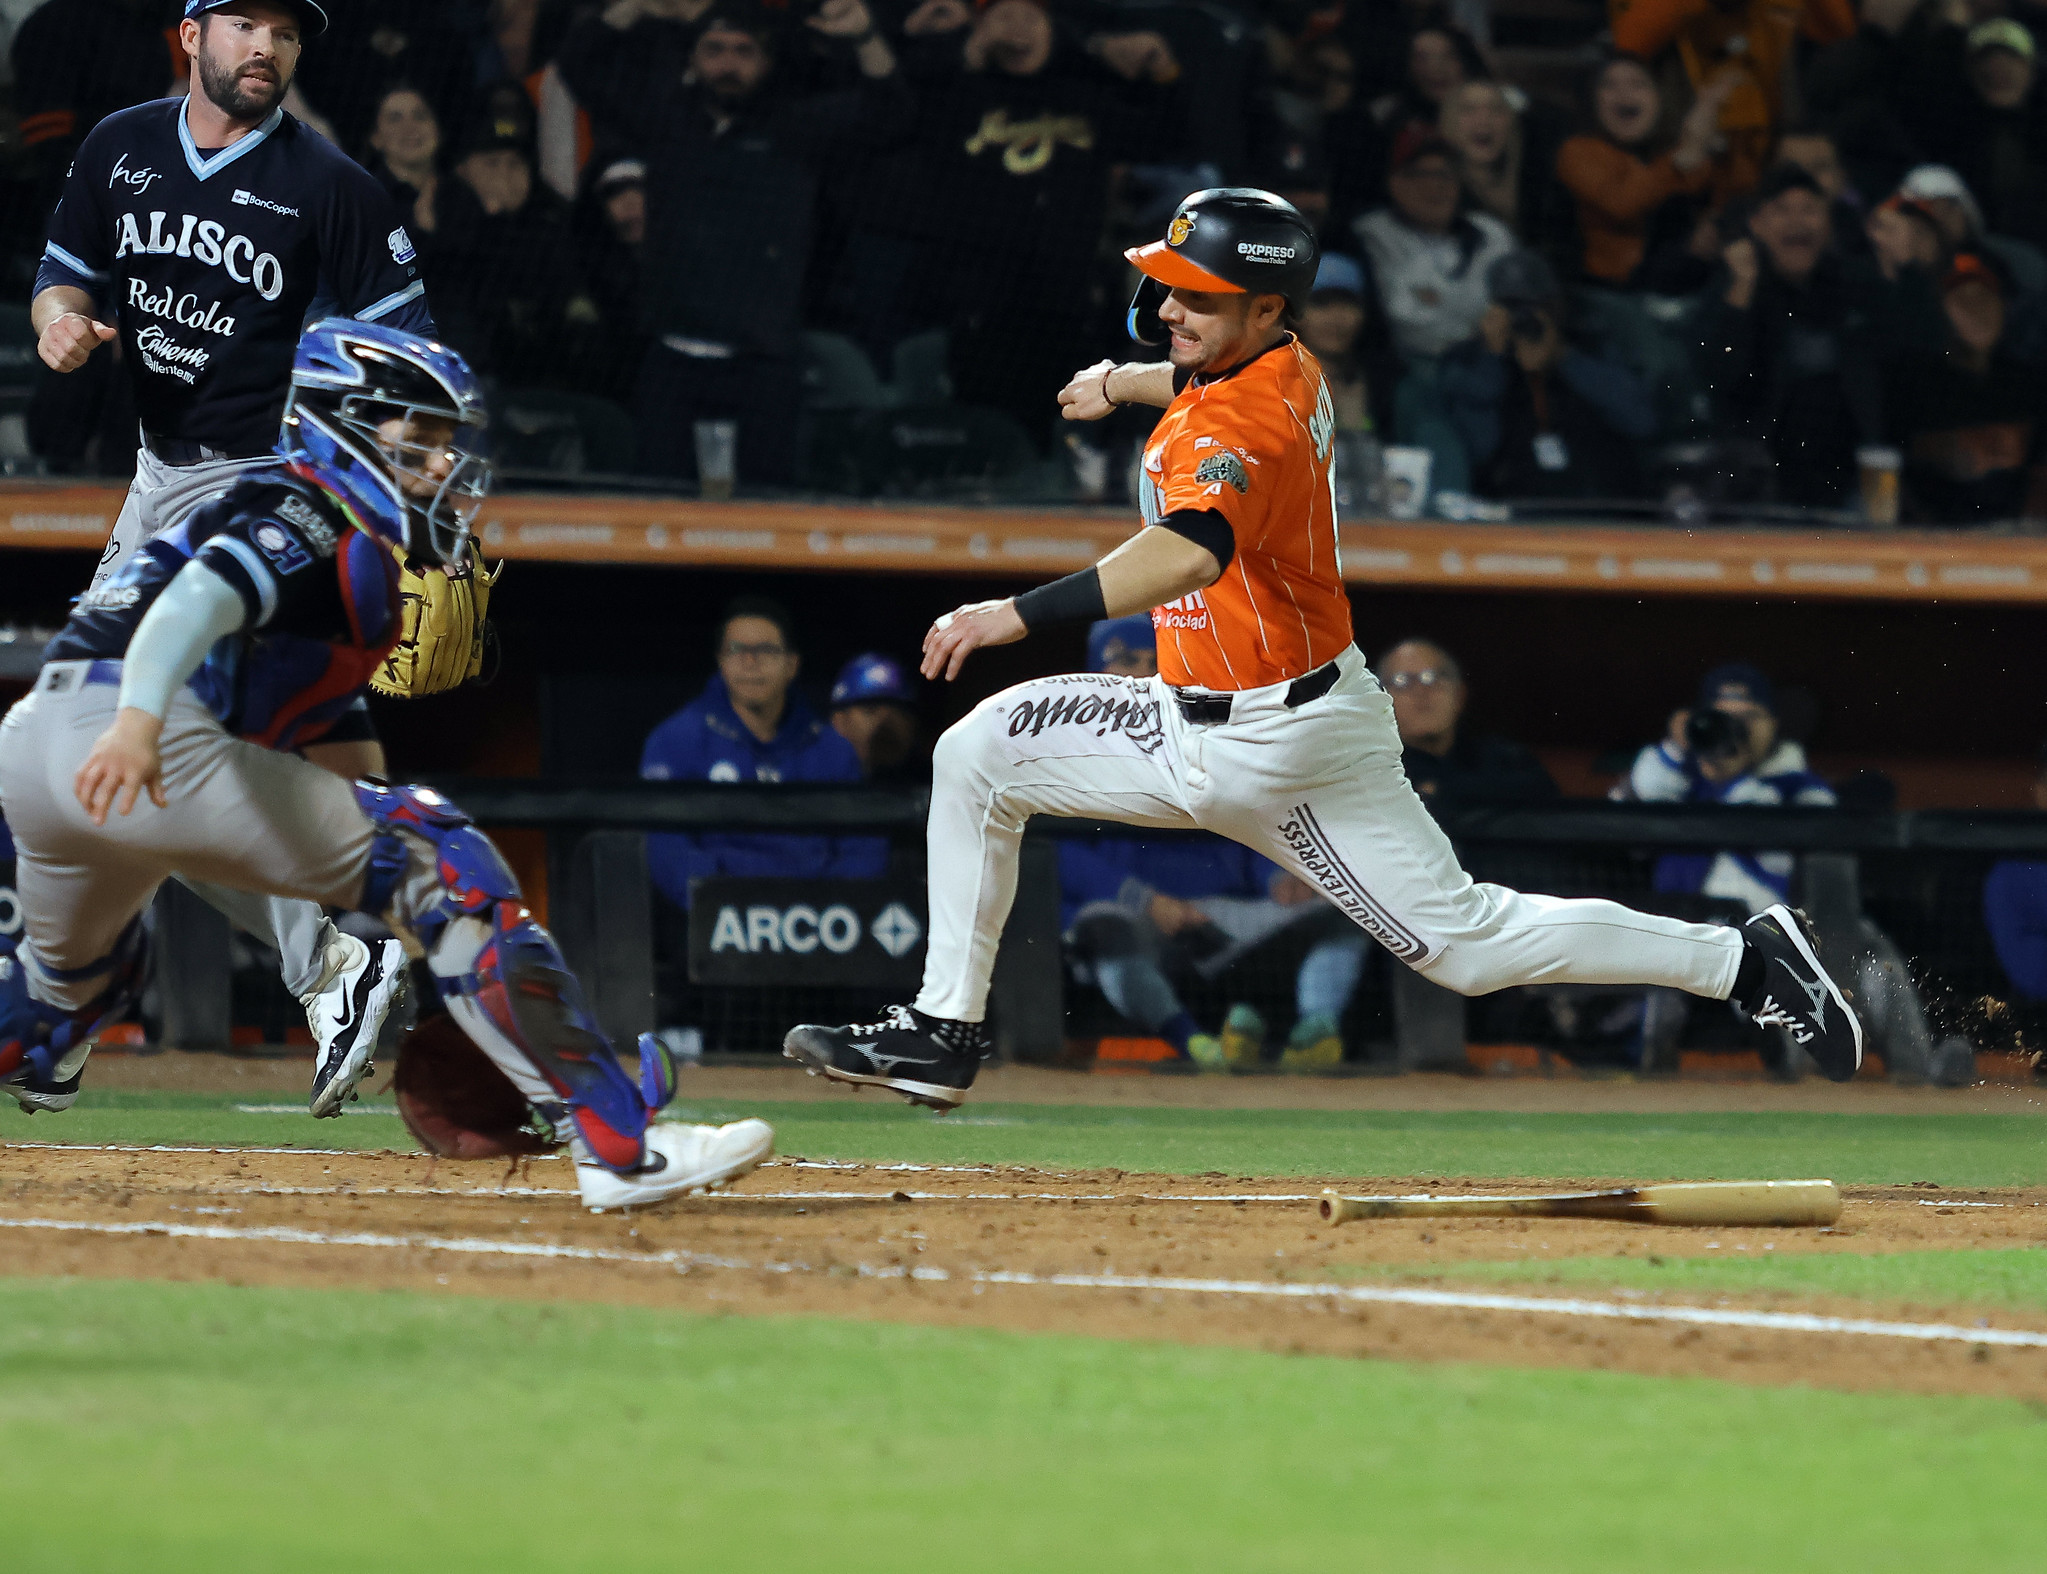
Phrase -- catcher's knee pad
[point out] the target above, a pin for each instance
(501, 973)
(36, 1035)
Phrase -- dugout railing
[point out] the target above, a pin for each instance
(1914, 878)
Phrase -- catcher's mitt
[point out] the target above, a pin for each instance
(446, 617)
(456, 1101)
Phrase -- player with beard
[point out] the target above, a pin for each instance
(205, 230)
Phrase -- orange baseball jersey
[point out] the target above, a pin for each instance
(1253, 446)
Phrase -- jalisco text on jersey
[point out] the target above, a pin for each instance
(205, 241)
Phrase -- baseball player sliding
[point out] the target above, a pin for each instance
(157, 739)
(204, 230)
(1264, 723)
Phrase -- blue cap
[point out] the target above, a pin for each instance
(866, 680)
(1737, 680)
(1132, 633)
(312, 20)
(1338, 272)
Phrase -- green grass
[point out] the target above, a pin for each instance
(218, 1429)
(2010, 1278)
(1952, 1150)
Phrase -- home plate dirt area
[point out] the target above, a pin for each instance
(1210, 1259)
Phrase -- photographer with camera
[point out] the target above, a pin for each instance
(1726, 749)
(1540, 416)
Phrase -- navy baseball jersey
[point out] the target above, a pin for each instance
(211, 262)
(320, 599)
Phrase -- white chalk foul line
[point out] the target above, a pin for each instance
(1447, 1300)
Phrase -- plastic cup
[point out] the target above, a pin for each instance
(1879, 468)
(1406, 487)
(717, 457)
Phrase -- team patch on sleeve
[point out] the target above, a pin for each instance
(277, 544)
(1224, 466)
(304, 518)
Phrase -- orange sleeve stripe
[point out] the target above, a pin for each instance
(48, 126)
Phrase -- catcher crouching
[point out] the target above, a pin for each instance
(156, 743)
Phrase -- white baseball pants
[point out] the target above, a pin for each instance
(162, 495)
(1318, 789)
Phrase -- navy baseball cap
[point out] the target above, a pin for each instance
(312, 20)
(1132, 633)
(870, 680)
(1737, 680)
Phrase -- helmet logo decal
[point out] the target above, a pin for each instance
(1251, 251)
(1178, 231)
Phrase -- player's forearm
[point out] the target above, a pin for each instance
(59, 300)
(1141, 382)
(1153, 567)
(196, 609)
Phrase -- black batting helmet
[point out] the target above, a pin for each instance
(1234, 240)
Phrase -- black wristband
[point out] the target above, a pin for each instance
(1075, 599)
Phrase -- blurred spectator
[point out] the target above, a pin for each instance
(75, 63)
(1753, 41)
(1539, 416)
(1430, 255)
(1726, 749)
(994, 214)
(872, 710)
(1904, 234)
(731, 185)
(611, 226)
(1815, 151)
(1954, 211)
(1507, 161)
(405, 141)
(1437, 59)
(1788, 354)
(1969, 419)
(1338, 327)
(371, 45)
(1631, 190)
(1972, 100)
(1139, 912)
(752, 725)
(2015, 911)
(507, 291)
(1451, 765)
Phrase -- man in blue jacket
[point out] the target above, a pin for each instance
(750, 725)
(2015, 909)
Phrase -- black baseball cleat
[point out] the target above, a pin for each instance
(928, 1060)
(1797, 994)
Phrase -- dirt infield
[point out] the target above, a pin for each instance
(1212, 1259)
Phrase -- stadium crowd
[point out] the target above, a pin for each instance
(1695, 252)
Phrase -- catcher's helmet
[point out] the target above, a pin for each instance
(1229, 239)
(347, 378)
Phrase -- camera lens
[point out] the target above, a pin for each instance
(1713, 734)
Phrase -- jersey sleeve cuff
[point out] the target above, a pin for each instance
(1205, 528)
(242, 566)
(63, 268)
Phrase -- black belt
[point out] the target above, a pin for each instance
(179, 452)
(1207, 710)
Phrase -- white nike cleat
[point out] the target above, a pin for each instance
(681, 1158)
(363, 986)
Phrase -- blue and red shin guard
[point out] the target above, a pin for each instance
(502, 975)
(36, 1037)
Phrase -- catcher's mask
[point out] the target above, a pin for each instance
(392, 423)
(1229, 240)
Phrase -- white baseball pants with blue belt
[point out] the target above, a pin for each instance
(1317, 788)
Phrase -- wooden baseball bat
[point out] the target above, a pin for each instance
(1679, 1202)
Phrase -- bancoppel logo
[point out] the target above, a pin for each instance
(401, 245)
(1251, 251)
(248, 199)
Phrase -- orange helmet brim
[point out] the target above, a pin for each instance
(1171, 268)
